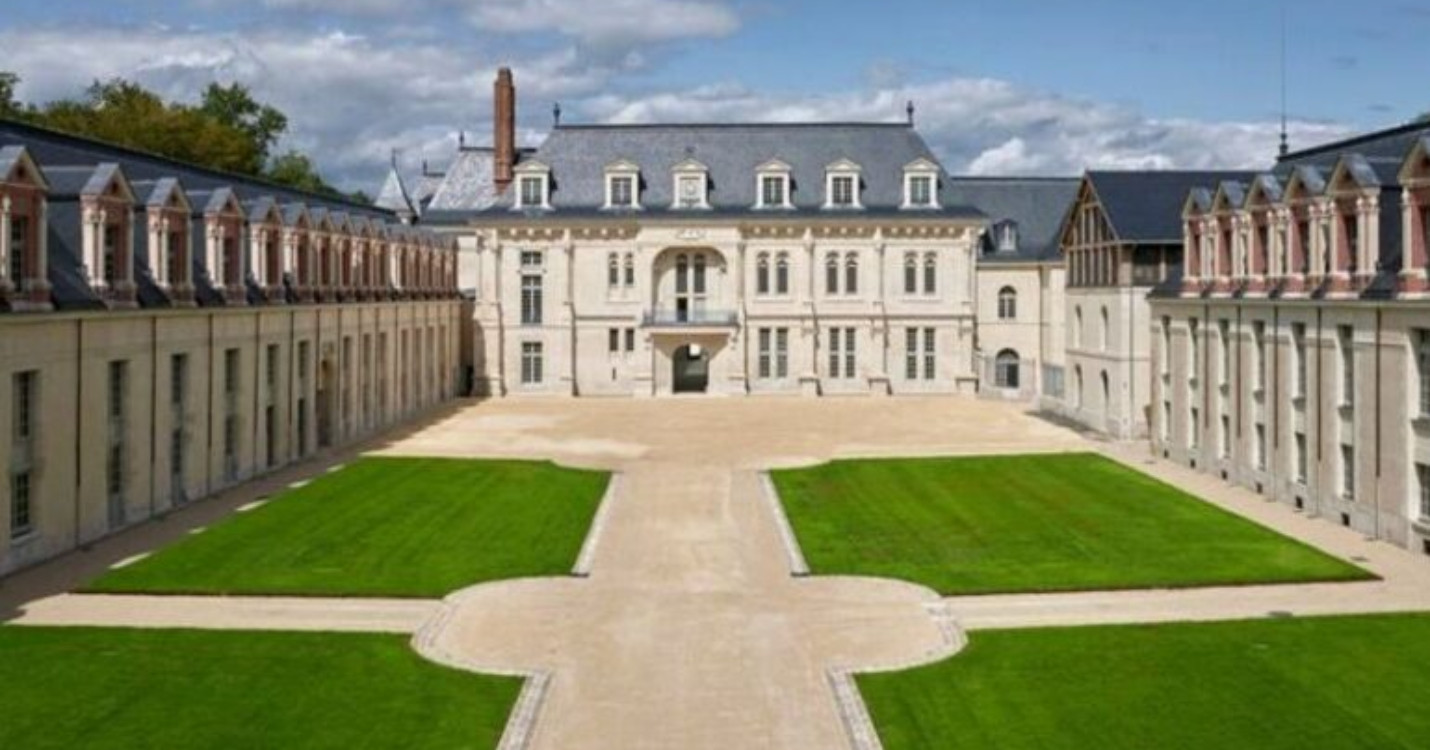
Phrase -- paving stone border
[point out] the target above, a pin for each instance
(797, 564)
(521, 725)
(587, 558)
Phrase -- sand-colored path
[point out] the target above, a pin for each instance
(690, 631)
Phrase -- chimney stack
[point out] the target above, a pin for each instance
(504, 136)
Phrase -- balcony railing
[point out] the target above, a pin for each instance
(691, 319)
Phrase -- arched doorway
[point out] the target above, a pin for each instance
(691, 369)
(1006, 369)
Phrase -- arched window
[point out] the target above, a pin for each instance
(613, 273)
(831, 274)
(1077, 327)
(782, 274)
(911, 274)
(930, 274)
(1106, 392)
(851, 274)
(682, 274)
(1077, 387)
(762, 274)
(700, 273)
(1006, 368)
(1007, 303)
(630, 269)
(1102, 333)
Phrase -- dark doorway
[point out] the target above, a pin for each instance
(692, 369)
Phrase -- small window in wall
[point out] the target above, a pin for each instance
(532, 363)
(25, 386)
(841, 191)
(1258, 337)
(1261, 447)
(1226, 437)
(782, 273)
(1422, 477)
(1345, 335)
(1302, 458)
(1007, 303)
(762, 274)
(623, 191)
(1077, 327)
(1422, 365)
(630, 270)
(911, 273)
(613, 271)
(851, 274)
(831, 274)
(1298, 346)
(1224, 339)
(1348, 472)
(930, 273)
(1194, 429)
(774, 191)
(1104, 335)
(1166, 352)
(22, 518)
(1007, 368)
(921, 191)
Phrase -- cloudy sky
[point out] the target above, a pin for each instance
(1002, 86)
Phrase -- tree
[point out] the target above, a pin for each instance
(9, 106)
(1423, 119)
(234, 106)
(296, 171)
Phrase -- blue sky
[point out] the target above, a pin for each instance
(1014, 86)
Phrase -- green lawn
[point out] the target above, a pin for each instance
(96, 688)
(1028, 524)
(1329, 684)
(386, 527)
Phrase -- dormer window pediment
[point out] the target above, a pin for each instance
(623, 183)
(921, 184)
(843, 185)
(690, 186)
(773, 185)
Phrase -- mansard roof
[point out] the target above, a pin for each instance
(469, 184)
(1147, 206)
(733, 154)
(160, 193)
(13, 157)
(87, 181)
(1038, 206)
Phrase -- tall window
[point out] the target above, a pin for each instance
(762, 274)
(920, 354)
(911, 274)
(831, 274)
(1077, 327)
(22, 521)
(930, 274)
(1258, 335)
(921, 191)
(1348, 472)
(1302, 458)
(782, 273)
(613, 271)
(851, 274)
(630, 270)
(774, 353)
(1194, 429)
(531, 299)
(1225, 436)
(843, 356)
(26, 385)
(1194, 349)
(1006, 369)
(1104, 335)
(533, 192)
(111, 254)
(178, 380)
(1298, 346)
(1345, 334)
(1166, 346)
(772, 191)
(1224, 340)
(1261, 447)
(1422, 476)
(841, 191)
(1007, 303)
(19, 252)
(531, 363)
(114, 469)
(1422, 360)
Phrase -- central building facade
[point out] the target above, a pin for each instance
(815, 259)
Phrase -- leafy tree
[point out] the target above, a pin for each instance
(234, 106)
(1422, 119)
(9, 106)
(297, 171)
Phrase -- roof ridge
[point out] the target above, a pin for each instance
(1356, 140)
(733, 125)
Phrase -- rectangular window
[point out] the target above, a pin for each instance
(782, 352)
(613, 341)
(1194, 349)
(930, 354)
(692, 193)
(1195, 429)
(1422, 476)
(911, 274)
(1345, 335)
(302, 365)
(1224, 337)
(1422, 359)
(532, 363)
(19, 252)
(531, 299)
(930, 274)
(532, 192)
(26, 390)
(921, 191)
(766, 365)
(1261, 447)
(613, 271)
(782, 275)
(630, 340)
(1298, 344)
(178, 380)
(230, 372)
(772, 191)
(1348, 472)
(831, 275)
(911, 354)
(1258, 334)
(111, 254)
(271, 368)
(841, 191)
(118, 388)
(1166, 347)
(22, 520)
(623, 192)
(1225, 436)
(1302, 458)
(843, 357)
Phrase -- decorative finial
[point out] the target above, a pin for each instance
(556, 114)
(394, 158)
(462, 139)
(910, 109)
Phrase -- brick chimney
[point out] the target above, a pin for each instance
(504, 135)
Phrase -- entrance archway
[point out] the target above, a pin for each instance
(691, 365)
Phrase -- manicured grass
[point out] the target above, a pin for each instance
(68, 688)
(386, 527)
(1031, 523)
(1330, 684)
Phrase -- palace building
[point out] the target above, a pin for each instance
(1292, 357)
(646, 260)
(168, 331)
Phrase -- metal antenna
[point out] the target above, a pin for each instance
(1285, 138)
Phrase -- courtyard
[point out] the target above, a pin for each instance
(690, 622)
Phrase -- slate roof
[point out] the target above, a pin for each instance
(1038, 206)
(393, 196)
(579, 154)
(1146, 207)
(468, 186)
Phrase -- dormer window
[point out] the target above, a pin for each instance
(774, 185)
(921, 184)
(622, 185)
(1006, 237)
(691, 183)
(533, 186)
(841, 188)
